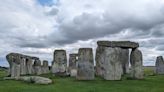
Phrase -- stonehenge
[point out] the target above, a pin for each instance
(23, 65)
(159, 65)
(85, 67)
(45, 67)
(73, 58)
(136, 64)
(31, 79)
(59, 63)
(113, 60)
(37, 67)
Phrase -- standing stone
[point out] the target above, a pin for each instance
(125, 60)
(14, 60)
(85, 64)
(37, 67)
(29, 66)
(45, 67)
(59, 64)
(99, 62)
(73, 64)
(136, 64)
(159, 65)
(109, 63)
(23, 66)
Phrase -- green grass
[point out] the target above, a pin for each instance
(67, 84)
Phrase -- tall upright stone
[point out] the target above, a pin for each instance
(14, 60)
(136, 64)
(73, 58)
(108, 63)
(45, 67)
(23, 65)
(29, 66)
(125, 60)
(85, 64)
(59, 64)
(159, 65)
(37, 67)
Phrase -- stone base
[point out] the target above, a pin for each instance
(85, 71)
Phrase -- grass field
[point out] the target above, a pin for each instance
(149, 84)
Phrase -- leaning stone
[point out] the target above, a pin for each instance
(122, 44)
(160, 65)
(85, 64)
(59, 64)
(136, 64)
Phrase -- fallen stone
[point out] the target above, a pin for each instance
(31, 79)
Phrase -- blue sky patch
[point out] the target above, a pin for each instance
(47, 2)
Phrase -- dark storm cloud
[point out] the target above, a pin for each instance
(26, 26)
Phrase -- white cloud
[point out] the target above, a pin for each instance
(30, 28)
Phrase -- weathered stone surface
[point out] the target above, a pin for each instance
(14, 62)
(136, 64)
(160, 65)
(23, 66)
(73, 58)
(85, 55)
(73, 72)
(18, 64)
(37, 67)
(45, 67)
(85, 71)
(29, 66)
(59, 64)
(32, 79)
(99, 62)
(109, 63)
(85, 64)
(125, 60)
(72, 61)
(122, 44)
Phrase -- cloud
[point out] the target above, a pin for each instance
(37, 28)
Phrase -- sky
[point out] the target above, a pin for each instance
(38, 27)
